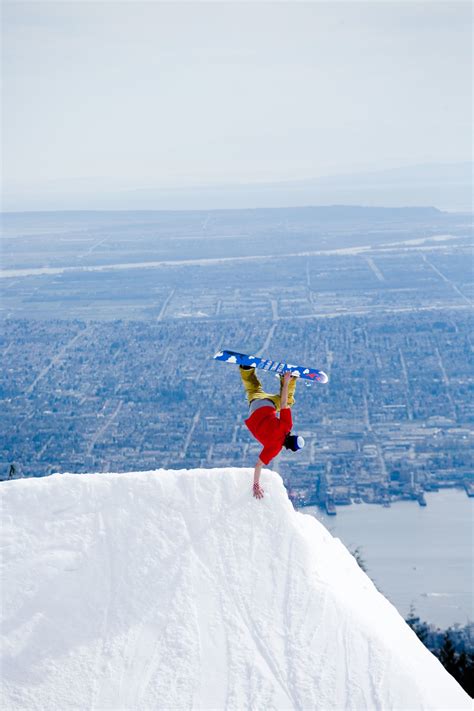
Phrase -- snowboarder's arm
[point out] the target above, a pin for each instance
(286, 420)
(257, 489)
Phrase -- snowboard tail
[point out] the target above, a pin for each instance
(272, 366)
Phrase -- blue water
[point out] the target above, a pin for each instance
(415, 555)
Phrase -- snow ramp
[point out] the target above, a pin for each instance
(178, 590)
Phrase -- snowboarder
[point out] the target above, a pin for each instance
(273, 432)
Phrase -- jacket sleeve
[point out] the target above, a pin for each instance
(266, 455)
(286, 421)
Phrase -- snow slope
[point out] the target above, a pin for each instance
(178, 590)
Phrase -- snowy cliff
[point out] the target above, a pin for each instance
(178, 590)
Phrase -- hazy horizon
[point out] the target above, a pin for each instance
(447, 187)
(112, 98)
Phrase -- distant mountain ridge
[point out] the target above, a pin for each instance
(446, 186)
(322, 212)
(178, 590)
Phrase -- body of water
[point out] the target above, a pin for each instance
(416, 556)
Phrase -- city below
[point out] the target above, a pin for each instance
(110, 322)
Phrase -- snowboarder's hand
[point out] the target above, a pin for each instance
(257, 491)
(287, 377)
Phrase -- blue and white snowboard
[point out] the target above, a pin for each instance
(272, 366)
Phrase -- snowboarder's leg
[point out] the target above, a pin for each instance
(276, 399)
(291, 391)
(253, 387)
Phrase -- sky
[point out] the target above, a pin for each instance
(156, 94)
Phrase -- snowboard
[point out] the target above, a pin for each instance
(273, 366)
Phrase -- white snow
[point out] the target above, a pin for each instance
(178, 590)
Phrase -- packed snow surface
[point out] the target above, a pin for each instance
(179, 590)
